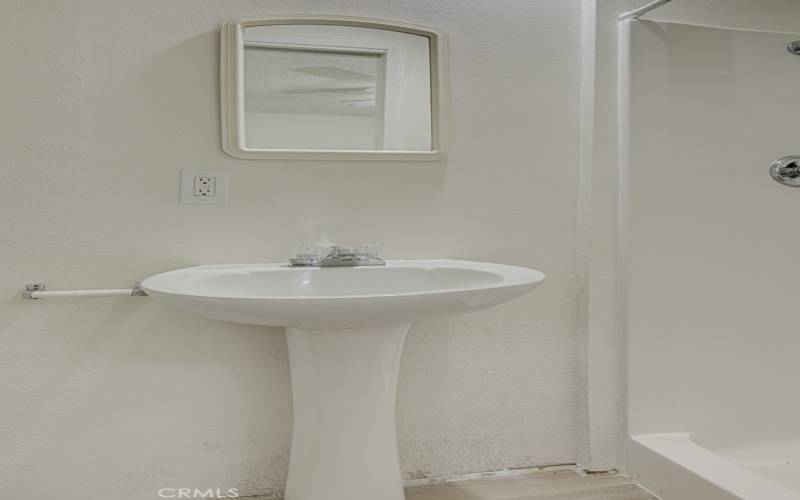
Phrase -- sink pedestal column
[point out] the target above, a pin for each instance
(344, 388)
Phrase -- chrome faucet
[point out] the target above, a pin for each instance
(336, 256)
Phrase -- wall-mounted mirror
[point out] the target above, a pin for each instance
(332, 88)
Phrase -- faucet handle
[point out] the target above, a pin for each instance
(307, 255)
(310, 255)
(370, 255)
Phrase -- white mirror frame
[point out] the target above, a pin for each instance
(232, 91)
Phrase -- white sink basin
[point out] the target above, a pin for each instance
(345, 329)
(340, 297)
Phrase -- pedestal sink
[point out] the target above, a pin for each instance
(345, 329)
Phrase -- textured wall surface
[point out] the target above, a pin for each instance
(102, 102)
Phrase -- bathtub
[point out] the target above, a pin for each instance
(684, 466)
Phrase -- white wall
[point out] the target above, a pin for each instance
(103, 102)
(601, 333)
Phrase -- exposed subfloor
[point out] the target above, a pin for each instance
(558, 484)
(555, 484)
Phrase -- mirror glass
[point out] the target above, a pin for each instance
(331, 87)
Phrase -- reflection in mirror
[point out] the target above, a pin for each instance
(313, 99)
(330, 87)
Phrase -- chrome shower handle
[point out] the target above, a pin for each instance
(786, 170)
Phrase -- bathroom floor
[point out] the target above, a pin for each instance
(558, 484)
(554, 484)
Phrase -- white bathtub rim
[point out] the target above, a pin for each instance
(729, 477)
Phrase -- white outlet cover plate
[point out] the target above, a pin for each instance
(187, 187)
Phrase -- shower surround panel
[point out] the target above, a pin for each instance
(710, 241)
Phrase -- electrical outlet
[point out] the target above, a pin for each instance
(204, 186)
